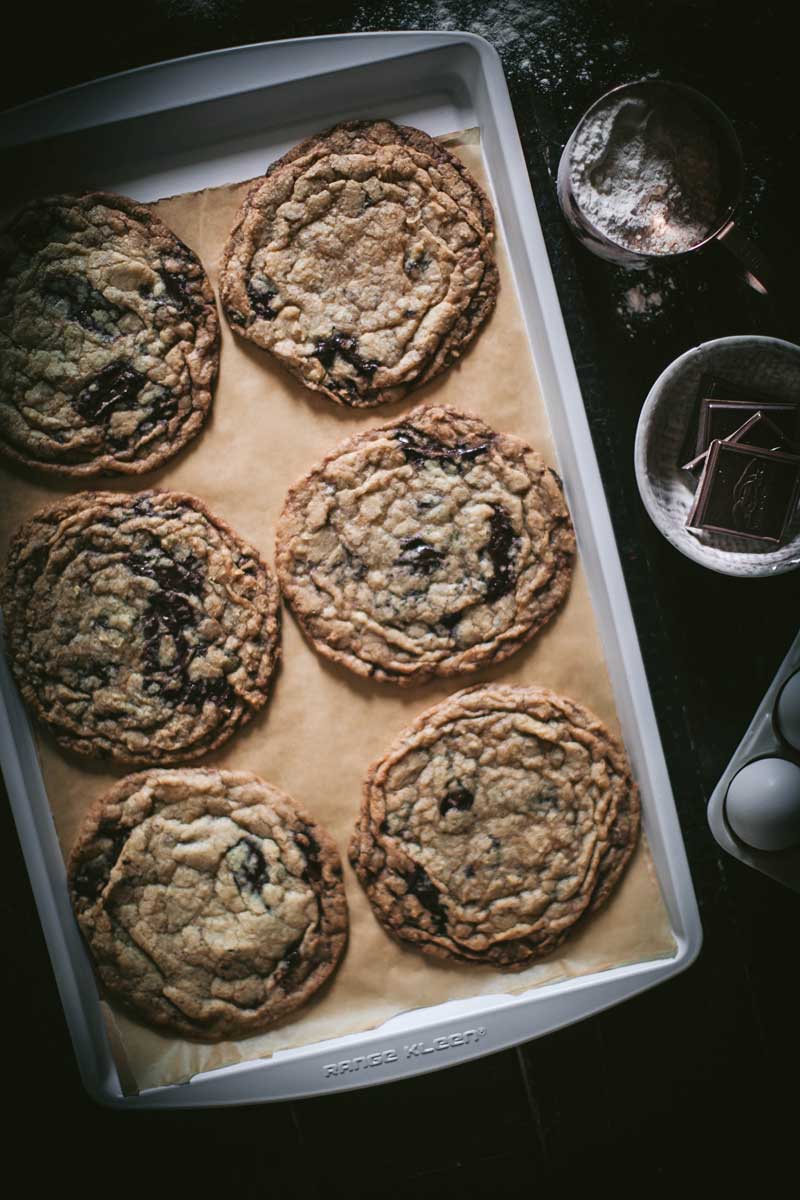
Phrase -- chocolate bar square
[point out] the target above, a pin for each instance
(720, 418)
(714, 387)
(746, 491)
(757, 430)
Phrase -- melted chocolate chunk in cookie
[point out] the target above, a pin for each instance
(179, 293)
(172, 614)
(414, 267)
(248, 866)
(420, 555)
(93, 875)
(501, 542)
(457, 798)
(117, 386)
(419, 884)
(311, 848)
(171, 575)
(259, 293)
(418, 446)
(169, 610)
(198, 692)
(346, 347)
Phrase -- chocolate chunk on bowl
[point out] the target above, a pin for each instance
(140, 628)
(757, 430)
(109, 338)
(363, 261)
(746, 491)
(719, 419)
(211, 902)
(500, 819)
(433, 545)
(720, 401)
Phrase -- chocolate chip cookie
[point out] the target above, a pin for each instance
(139, 627)
(362, 261)
(213, 905)
(497, 821)
(430, 546)
(108, 338)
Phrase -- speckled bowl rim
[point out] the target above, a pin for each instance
(698, 552)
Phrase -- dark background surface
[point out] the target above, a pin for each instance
(685, 1084)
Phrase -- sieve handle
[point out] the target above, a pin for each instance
(759, 272)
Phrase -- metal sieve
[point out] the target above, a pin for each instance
(712, 121)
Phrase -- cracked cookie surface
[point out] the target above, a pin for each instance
(108, 337)
(140, 627)
(429, 546)
(362, 261)
(212, 903)
(494, 823)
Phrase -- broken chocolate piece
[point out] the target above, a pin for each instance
(720, 418)
(714, 387)
(757, 430)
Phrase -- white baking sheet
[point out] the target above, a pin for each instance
(195, 123)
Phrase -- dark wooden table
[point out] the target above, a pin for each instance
(684, 1084)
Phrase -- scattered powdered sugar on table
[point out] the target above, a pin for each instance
(547, 43)
(642, 297)
(201, 11)
(637, 300)
(646, 173)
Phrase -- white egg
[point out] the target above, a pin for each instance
(787, 710)
(763, 804)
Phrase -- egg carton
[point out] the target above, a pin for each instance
(764, 804)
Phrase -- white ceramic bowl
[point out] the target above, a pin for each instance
(762, 363)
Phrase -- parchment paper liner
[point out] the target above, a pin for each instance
(323, 726)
